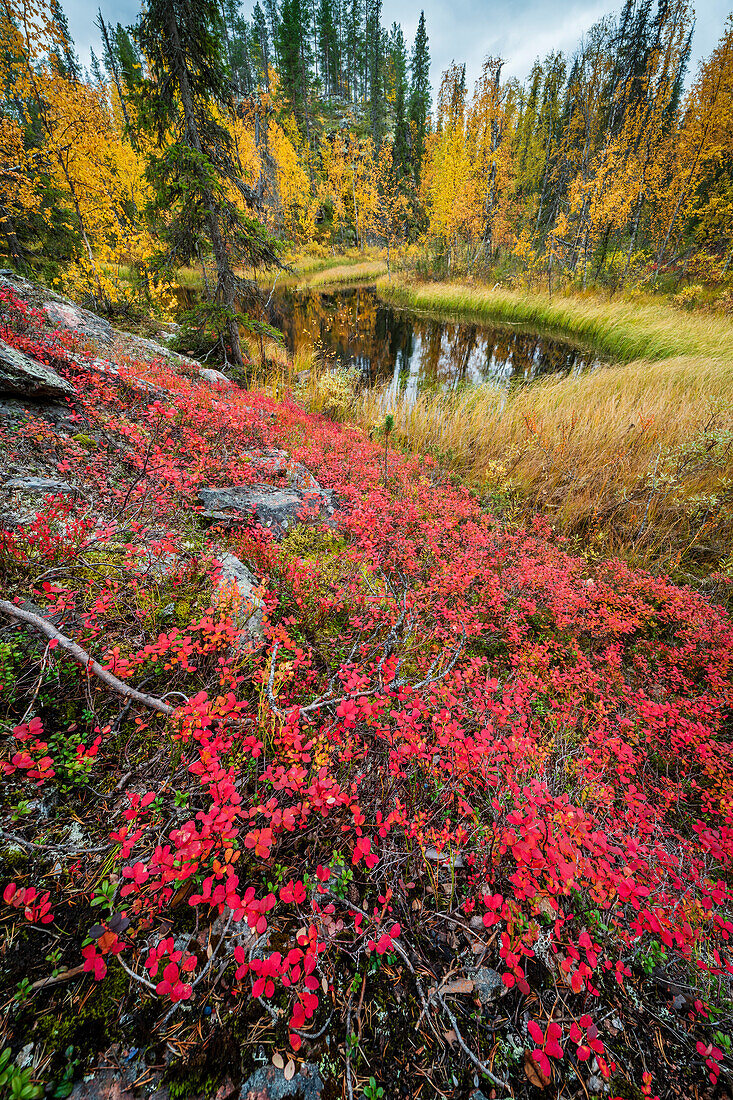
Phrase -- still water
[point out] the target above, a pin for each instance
(410, 351)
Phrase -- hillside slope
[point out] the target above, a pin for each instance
(316, 780)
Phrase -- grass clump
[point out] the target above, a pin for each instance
(624, 329)
(635, 458)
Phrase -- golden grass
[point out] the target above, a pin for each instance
(624, 329)
(635, 458)
(348, 273)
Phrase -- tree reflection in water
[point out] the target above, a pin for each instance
(410, 351)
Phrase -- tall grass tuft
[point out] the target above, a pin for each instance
(349, 273)
(624, 329)
(635, 459)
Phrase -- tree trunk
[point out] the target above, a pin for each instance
(634, 232)
(16, 249)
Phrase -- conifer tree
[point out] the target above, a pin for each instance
(95, 69)
(401, 142)
(273, 18)
(328, 49)
(419, 111)
(194, 174)
(111, 64)
(355, 50)
(129, 61)
(374, 67)
(261, 44)
(294, 54)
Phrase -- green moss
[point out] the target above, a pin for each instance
(183, 611)
(92, 1024)
(85, 441)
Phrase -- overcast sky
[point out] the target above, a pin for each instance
(460, 30)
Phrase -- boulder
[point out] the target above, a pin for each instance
(270, 1083)
(22, 375)
(489, 984)
(236, 583)
(216, 377)
(278, 509)
(34, 485)
(65, 315)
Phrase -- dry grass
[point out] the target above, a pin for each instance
(635, 458)
(623, 329)
(349, 273)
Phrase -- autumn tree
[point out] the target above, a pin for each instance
(490, 140)
(700, 190)
(388, 212)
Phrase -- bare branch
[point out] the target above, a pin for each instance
(43, 626)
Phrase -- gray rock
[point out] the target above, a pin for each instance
(217, 377)
(488, 984)
(65, 315)
(156, 565)
(23, 375)
(35, 485)
(15, 411)
(237, 583)
(275, 508)
(270, 1083)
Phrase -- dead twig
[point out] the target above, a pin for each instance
(43, 626)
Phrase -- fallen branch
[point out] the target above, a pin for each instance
(43, 626)
(62, 976)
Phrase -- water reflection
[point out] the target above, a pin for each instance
(410, 351)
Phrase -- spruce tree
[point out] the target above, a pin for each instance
(95, 70)
(355, 49)
(111, 64)
(194, 167)
(328, 49)
(273, 18)
(261, 45)
(294, 54)
(401, 142)
(419, 111)
(128, 60)
(375, 52)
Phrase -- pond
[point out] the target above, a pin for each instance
(409, 351)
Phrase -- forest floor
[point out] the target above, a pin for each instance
(319, 780)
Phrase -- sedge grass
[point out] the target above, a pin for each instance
(348, 273)
(623, 329)
(635, 459)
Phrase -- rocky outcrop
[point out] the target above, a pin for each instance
(19, 374)
(237, 585)
(277, 509)
(36, 485)
(65, 315)
(270, 1083)
(216, 377)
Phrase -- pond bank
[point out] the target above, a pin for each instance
(623, 329)
(634, 460)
